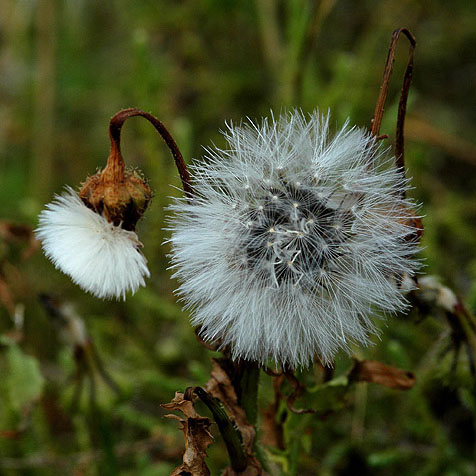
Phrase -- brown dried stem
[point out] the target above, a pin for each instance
(298, 390)
(402, 106)
(116, 124)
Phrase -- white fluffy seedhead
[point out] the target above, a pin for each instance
(292, 240)
(101, 258)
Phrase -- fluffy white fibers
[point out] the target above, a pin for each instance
(293, 239)
(101, 258)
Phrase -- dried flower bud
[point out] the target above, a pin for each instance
(91, 236)
(120, 195)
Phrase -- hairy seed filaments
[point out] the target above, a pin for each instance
(293, 240)
(294, 232)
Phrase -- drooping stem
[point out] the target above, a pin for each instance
(402, 106)
(116, 124)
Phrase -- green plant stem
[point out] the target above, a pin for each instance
(248, 400)
(248, 397)
(230, 434)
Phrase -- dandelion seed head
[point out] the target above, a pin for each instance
(293, 240)
(102, 258)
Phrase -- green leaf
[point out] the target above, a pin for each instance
(24, 381)
(331, 395)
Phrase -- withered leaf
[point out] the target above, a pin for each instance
(180, 404)
(377, 372)
(197, 437)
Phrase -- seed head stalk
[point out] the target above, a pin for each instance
(402, 105)
(115, 126)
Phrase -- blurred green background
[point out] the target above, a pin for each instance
(67, 66)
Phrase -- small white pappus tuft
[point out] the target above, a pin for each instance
(101, 258)
(293, 239)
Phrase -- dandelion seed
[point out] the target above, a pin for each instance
(91, 235)
(336, 254)
(102, 258)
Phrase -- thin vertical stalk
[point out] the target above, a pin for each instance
(270, 34)
(402, 106)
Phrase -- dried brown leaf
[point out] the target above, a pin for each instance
(197, 437)
(178, 403)
(377, 372)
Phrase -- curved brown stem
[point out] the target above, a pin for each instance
(116, 124)
(402, 106)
